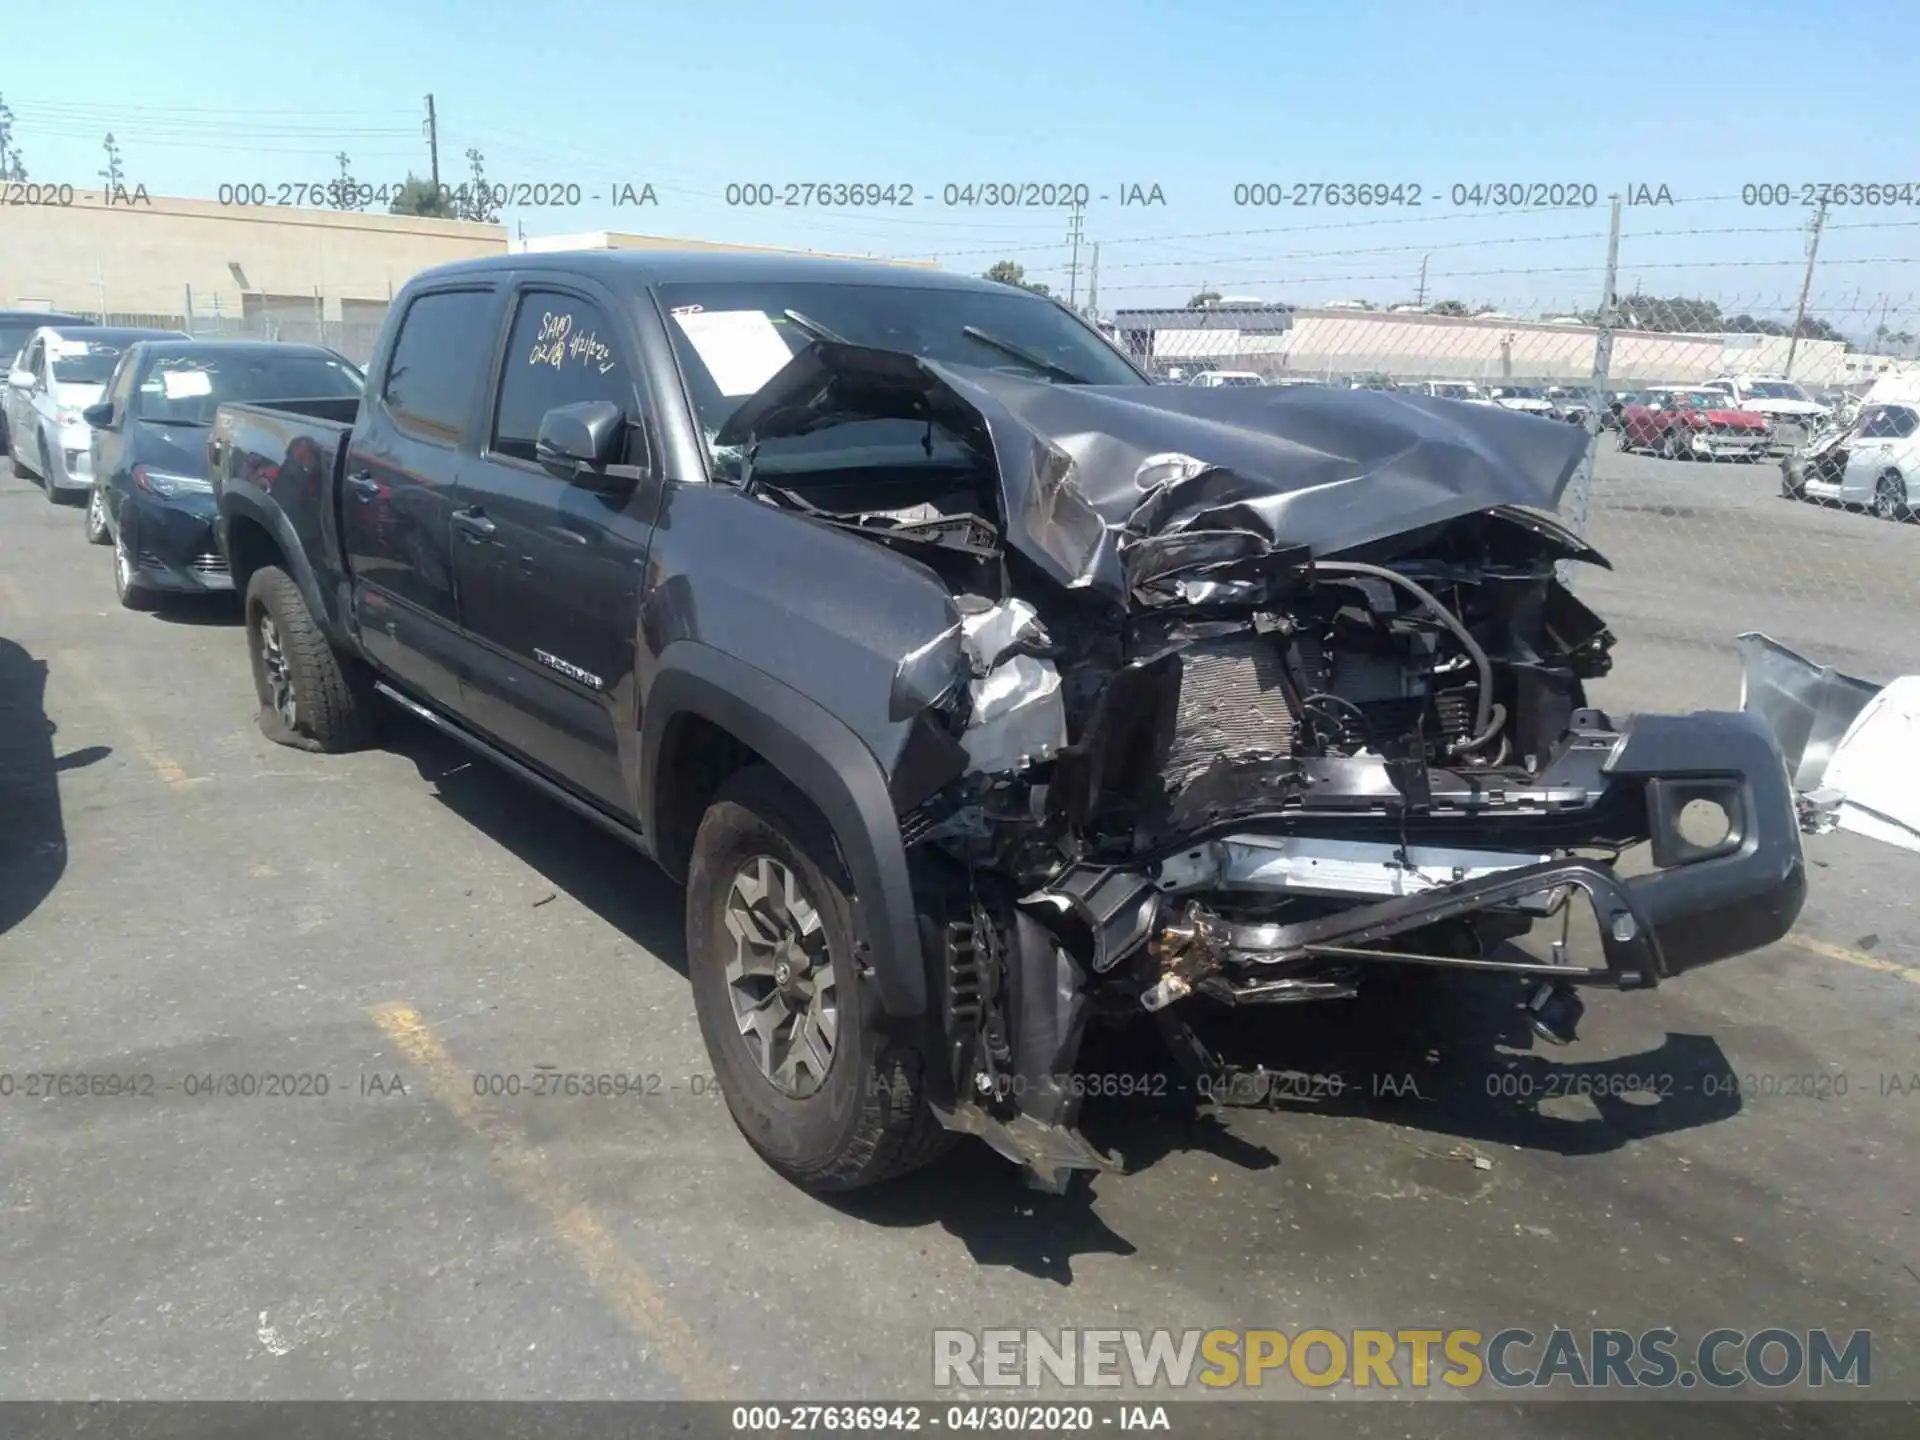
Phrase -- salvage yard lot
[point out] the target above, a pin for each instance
(181, 899)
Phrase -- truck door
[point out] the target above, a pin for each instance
(550, 573)
(400, 481)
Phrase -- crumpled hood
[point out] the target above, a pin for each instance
(1087, 470)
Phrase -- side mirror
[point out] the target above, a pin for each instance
(100, 416)
(20, 379)
(578, 441)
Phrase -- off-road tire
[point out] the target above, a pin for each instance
(333, 694)
(869, 1120)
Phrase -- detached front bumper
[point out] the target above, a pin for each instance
(1705, 899)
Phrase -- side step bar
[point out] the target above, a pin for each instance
(586, 810)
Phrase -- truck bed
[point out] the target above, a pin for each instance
(278, 466)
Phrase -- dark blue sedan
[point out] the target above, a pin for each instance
(151, 499)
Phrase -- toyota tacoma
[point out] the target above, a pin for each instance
(978, 689)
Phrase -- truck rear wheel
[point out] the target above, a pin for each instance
(795, 1034)
(310, 697)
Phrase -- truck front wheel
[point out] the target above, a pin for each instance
(310, 697)
(794, 1031)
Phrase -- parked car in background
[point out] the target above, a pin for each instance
(1368, 380)
(1616, 401)
(1794, 415)
(1465, 391)
(1572, 406)
(1693, 425)
(1523, 398)
(1210, 379)
(16, 328)
(59, 373)
(150, 497)
(1875, 462)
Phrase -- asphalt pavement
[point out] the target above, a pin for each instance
(315, 975)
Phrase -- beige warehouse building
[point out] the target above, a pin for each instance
(273, 272)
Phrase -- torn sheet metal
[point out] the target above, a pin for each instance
(1852, 746)
(1807, 706)
(1018, 716)
(991, 632)
(1235, 473)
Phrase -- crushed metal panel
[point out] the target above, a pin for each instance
(1807, 706)
(1876, 767)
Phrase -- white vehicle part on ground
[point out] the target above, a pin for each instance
(1875, 770)
(1018, 716)
(1851, 746)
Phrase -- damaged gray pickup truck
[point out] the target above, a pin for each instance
(979, 690)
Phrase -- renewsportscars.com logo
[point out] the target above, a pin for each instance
(1393, 1359)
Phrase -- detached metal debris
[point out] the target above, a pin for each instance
(1852, 745)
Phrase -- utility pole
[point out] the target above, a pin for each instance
(1580, 488)
(1806, 285)
(1421, 300)
(1073, 268)
(1093, 284)
(433, 144)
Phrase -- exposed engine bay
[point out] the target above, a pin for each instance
(1248, 694)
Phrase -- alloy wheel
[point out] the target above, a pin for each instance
(96, 513)
(273, 663)
(780, 979)
(1889, 498)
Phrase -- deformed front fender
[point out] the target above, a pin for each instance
(829, 764)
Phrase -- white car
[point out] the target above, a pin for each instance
(1876, 463)
(57, 374)
(1465, 391)
(1523, 398)
(1795, 415)
(1215, 378)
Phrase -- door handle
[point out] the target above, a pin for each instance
(474, 523)
(362, 483)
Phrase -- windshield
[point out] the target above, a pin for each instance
(1699, 400)
(732, 337)
(1458, 391)
(1518, 392)
(13, 337)
(184, 388)
(1776, 390)
(91, 365)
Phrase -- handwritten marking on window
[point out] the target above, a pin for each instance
(557, 344)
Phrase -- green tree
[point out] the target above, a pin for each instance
(1207, 295)
(1009, 273)
(1446, 307)
(422, 197)
(478, 203)
(11, 167)
(344, 193)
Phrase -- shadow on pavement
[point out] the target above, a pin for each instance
(620, 886)
(33, 841)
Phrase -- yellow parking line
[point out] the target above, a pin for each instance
(1852, 957)
(617, 1275)
(162, 764)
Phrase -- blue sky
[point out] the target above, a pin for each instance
(1703, 98)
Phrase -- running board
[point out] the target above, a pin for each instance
(586, 810)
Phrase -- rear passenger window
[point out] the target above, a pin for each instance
(561, 352)
(445, 343)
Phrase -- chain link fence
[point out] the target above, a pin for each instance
(296, 319)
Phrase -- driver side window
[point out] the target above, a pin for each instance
(34, 362)
(562, 351)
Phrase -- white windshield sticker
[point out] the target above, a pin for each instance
(185, 384)
(740, 348)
